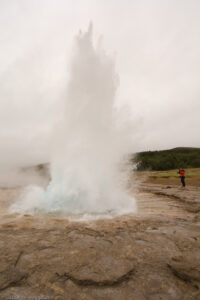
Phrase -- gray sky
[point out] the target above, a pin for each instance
(156, 45)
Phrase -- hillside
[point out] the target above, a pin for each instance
(183, 157)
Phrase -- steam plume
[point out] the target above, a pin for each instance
(90, 144)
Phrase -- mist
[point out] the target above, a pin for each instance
(91, 143)
(156, 48)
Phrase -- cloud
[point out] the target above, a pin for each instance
(156, 47)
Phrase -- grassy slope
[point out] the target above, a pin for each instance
(168, 159)
(171, 177)
(190, 173)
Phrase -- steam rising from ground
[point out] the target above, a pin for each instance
(90, 144)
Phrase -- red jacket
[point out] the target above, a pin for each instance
(182, 173)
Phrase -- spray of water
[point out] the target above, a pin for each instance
(90, 145)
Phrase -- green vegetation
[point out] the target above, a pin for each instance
(190, 173)
(168, 159)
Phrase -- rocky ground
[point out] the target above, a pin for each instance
(154, 254)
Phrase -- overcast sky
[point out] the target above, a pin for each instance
(156, 46)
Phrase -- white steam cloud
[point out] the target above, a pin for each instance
(90, 144)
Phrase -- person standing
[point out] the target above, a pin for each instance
(182, 176)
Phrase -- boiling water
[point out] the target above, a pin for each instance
(90, 144)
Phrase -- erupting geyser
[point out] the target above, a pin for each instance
(90, 144)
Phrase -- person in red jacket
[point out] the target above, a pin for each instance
(182, 176)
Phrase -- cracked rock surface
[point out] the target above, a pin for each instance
(154, 254)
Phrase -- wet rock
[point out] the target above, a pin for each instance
(189, 197)
(187, 268)
(152, 255)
